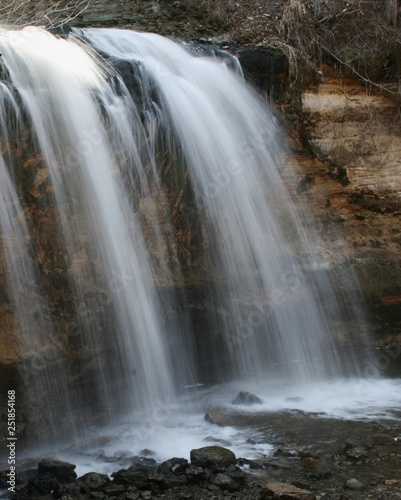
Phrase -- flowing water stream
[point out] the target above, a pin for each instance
(108, 113)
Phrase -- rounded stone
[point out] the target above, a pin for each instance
(354, 484)
(247, 399)
(210, 456)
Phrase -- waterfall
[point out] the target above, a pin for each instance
(32, 331)
(232, 148)
(117, 122)
(67, 99)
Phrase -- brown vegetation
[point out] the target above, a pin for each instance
(358, 35)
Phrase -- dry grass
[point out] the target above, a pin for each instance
(352, 34)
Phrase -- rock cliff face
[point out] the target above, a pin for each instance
(351, 181)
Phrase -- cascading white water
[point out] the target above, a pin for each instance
(32, 330)
(102, 144)
(232, 147)
(64, 92)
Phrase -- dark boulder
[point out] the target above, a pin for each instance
(225, 482)
(212, 456)
(93, 481)
(133, 476)
(175, 465)
(64, 472)
(41, 485)
(195, 474)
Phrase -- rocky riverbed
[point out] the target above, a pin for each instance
(312, 456)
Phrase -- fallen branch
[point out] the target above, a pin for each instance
(382, 87)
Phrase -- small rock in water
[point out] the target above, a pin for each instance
(147, 453)
(122, 454)
(246, 398)
(212, 456)
(294, 399)
(217, 417)
(354, 484)
(222, 442)
(88, 444)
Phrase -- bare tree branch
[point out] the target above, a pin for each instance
(388, 88)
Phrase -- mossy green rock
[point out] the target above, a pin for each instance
(210, 456)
